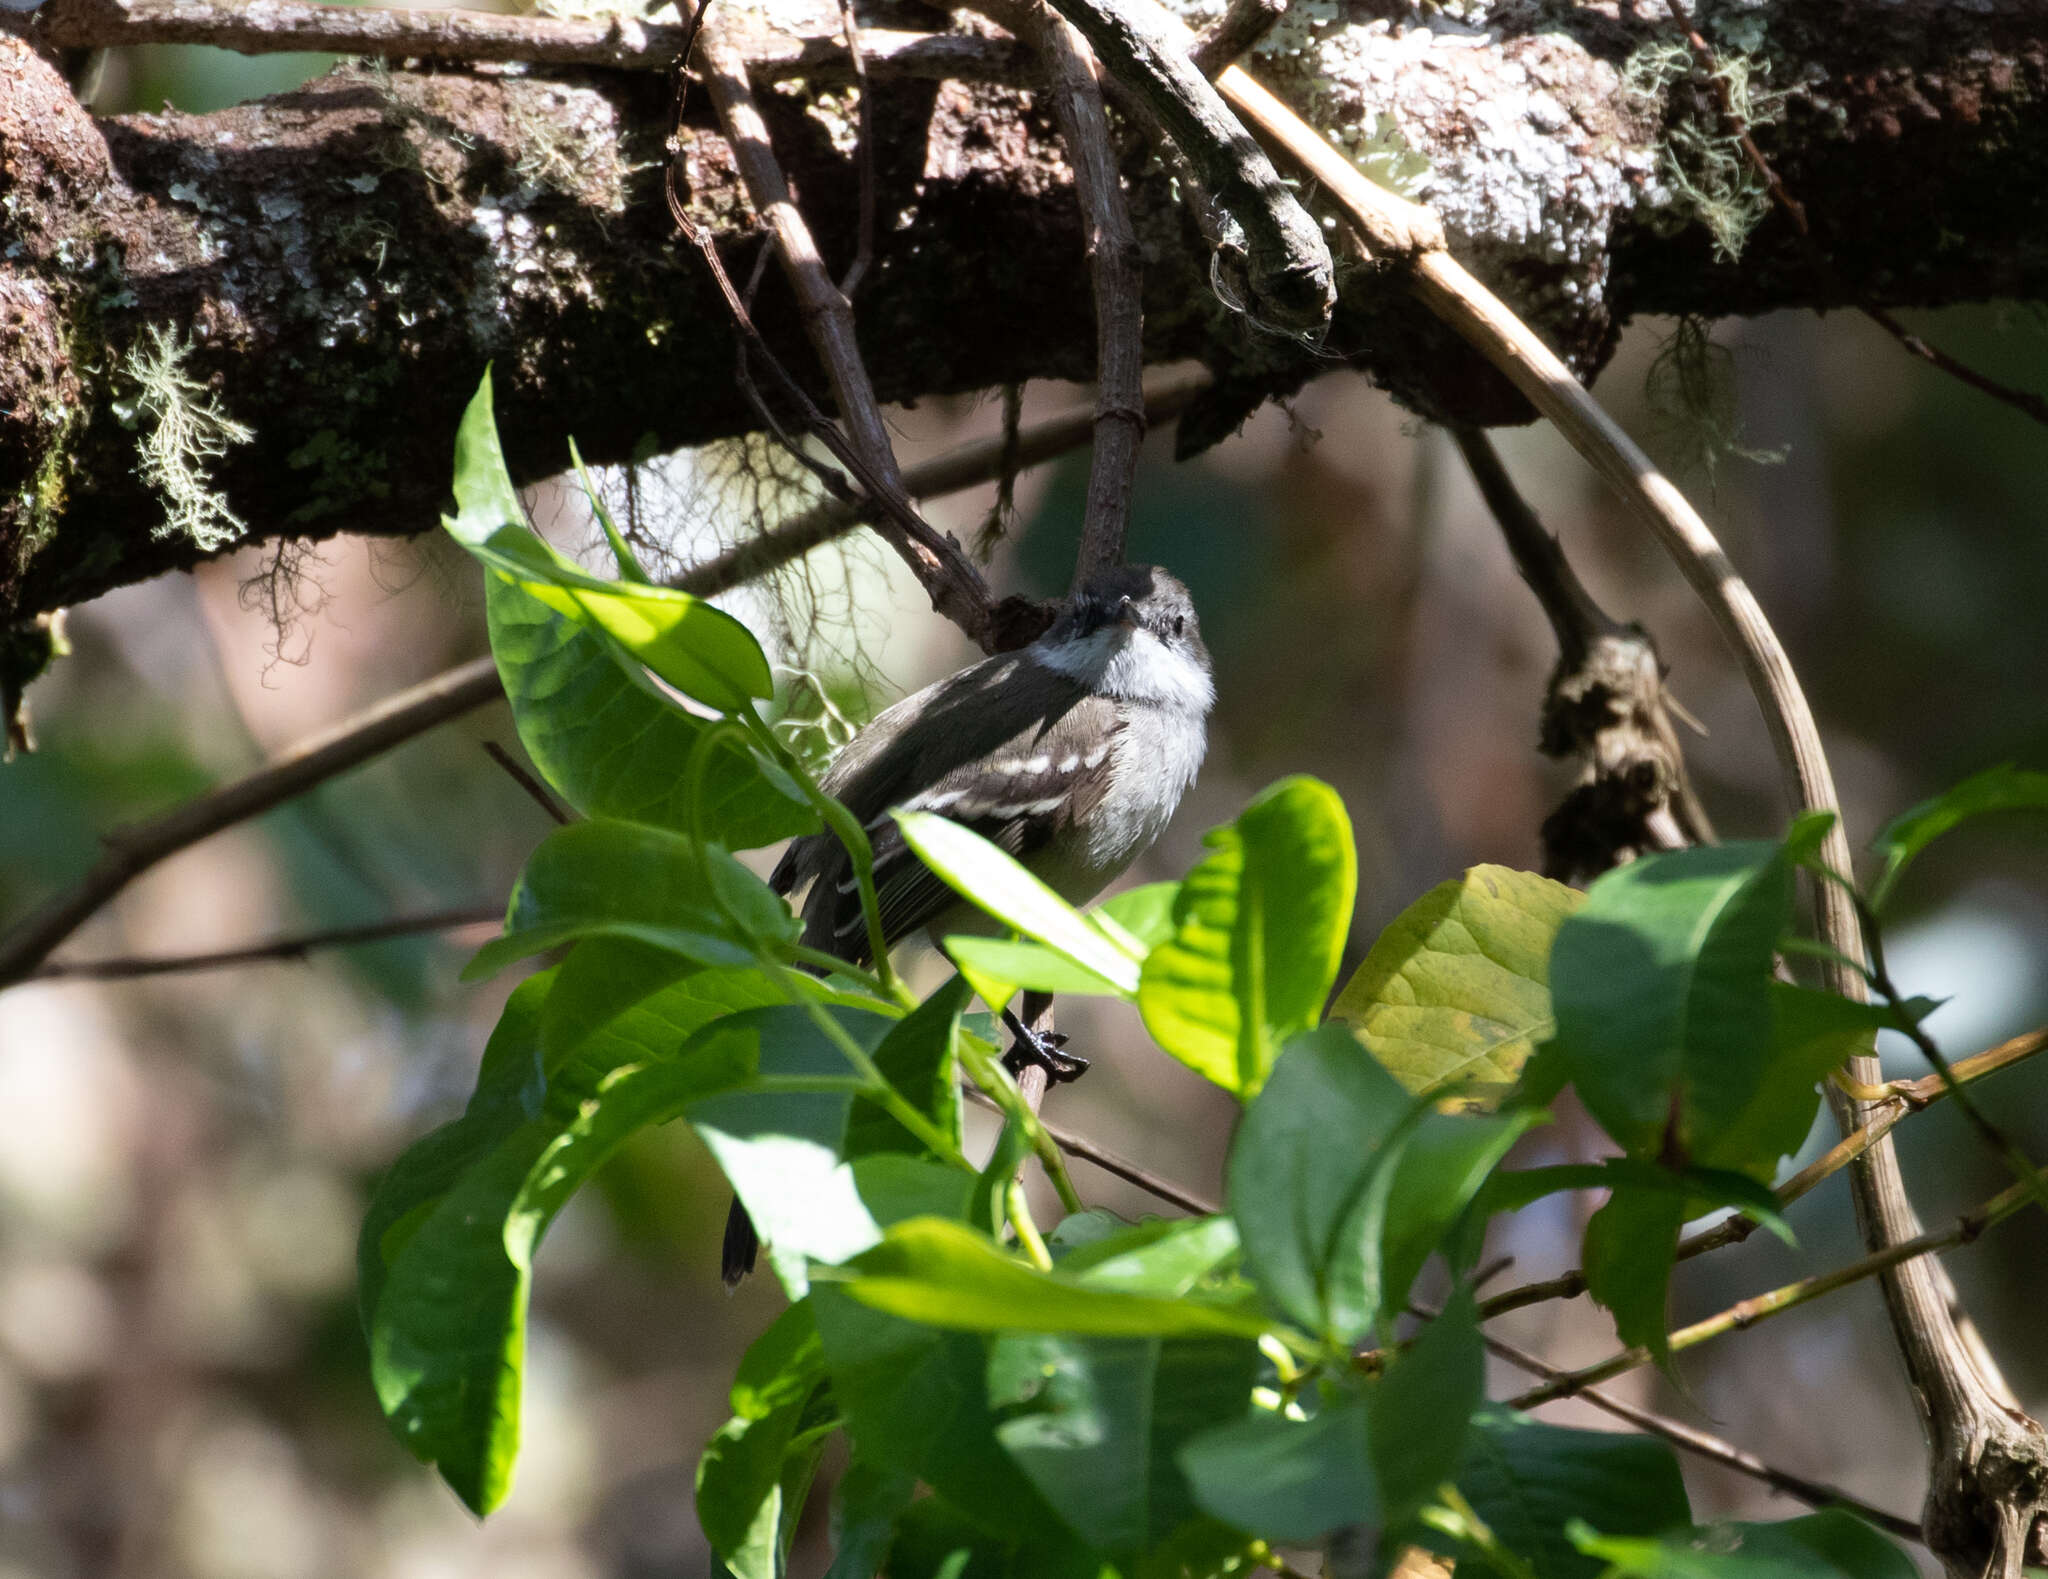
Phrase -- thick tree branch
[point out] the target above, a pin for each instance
(342, 261)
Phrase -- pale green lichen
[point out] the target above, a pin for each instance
(1702, 160)
(1691, 390)
(185, 431)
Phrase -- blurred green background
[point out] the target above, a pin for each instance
(183, 1159)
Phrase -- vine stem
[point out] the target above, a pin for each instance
(1761, 1307)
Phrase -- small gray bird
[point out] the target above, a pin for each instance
(1072, 754)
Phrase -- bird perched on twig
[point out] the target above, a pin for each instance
(1072, 754)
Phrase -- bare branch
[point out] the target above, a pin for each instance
(288, 949)
(1605, 707)
(864, 247)
(620, 43)
(1812, 1492)
(535, 790)
(1761, 1307)
(1114, 264)
(1076, 1144)
(1236, 33)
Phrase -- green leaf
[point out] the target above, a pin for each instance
(1630, 1246)
(699, 649)
(916, 1402)
(1456, 991)
(447, 1278)
(1145, 912)
(920, 1057)
(1662, 984)
(1160, 1256)
(1259, 925)
(1288, 1480)
(1308, 1181)
(1812, 1035)
(1005, 964)
(629, 880)
(740, 1477)
(1828, 1545)
(2003, 788)
(1096, 1424)
(944, 1274)
(865, 1506)
(613, 744)
(622, 552)
(783, 1152)
(993, 879)
(936, 1540)
(1528, 1480)
(1442, 1169)
(604, 977)
(1422, 1408)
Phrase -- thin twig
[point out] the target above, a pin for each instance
(1114, 265)
(535, 790)
(2021, 400)
(131, 851)
(291, 948)
(956, 588)
(1235, 34)
(134, 850)
(1904, 1097)
(1079, 1145)
(1812, 1492)
(864, 249)
(1761, 1307)
(619, 43)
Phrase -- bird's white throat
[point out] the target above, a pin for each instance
(1132, 666)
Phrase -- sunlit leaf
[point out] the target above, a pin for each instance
(1456, 991)
(604, 878)
(1259, 925)
(993, 879)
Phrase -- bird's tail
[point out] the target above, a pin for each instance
(742, 1245)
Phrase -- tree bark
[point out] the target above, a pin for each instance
(333, 268)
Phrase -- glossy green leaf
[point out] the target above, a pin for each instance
(1528, 1480)
(946, 1275)
(1003, 965)
(783, 1151)
(2004, 788)
(1828, 1545)
(698, 648)
(1443, 1166)
(622, 552)
(741, 1505)
(1630, 1246)
(1308, 1181)
(937, 1540)
(994, 879)
(1662, 985)
(1159, 1256)
(1421, 1409)
(604, 977)
(1096, 1422)
(920, 1057)
(1288, 1480)
(1456, 991)
(447, 1277)
(1145, 912)
(916, 1402)
(865, 1507)
(612, 744)
(1259, 925)
(632, 881)
(1812, 1035)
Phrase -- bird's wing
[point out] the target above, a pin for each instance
(1020, 796)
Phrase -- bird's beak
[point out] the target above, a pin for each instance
(1126, 614)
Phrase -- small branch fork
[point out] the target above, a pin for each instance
(2024, 401)
(1605, 706)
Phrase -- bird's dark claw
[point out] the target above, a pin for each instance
(1042, 1050)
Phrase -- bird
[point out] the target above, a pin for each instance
(1072, 754)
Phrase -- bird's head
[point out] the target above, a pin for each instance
(1131, 631)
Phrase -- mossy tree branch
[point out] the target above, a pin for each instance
(340, 262)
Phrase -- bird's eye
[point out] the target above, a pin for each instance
(1180, 623)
